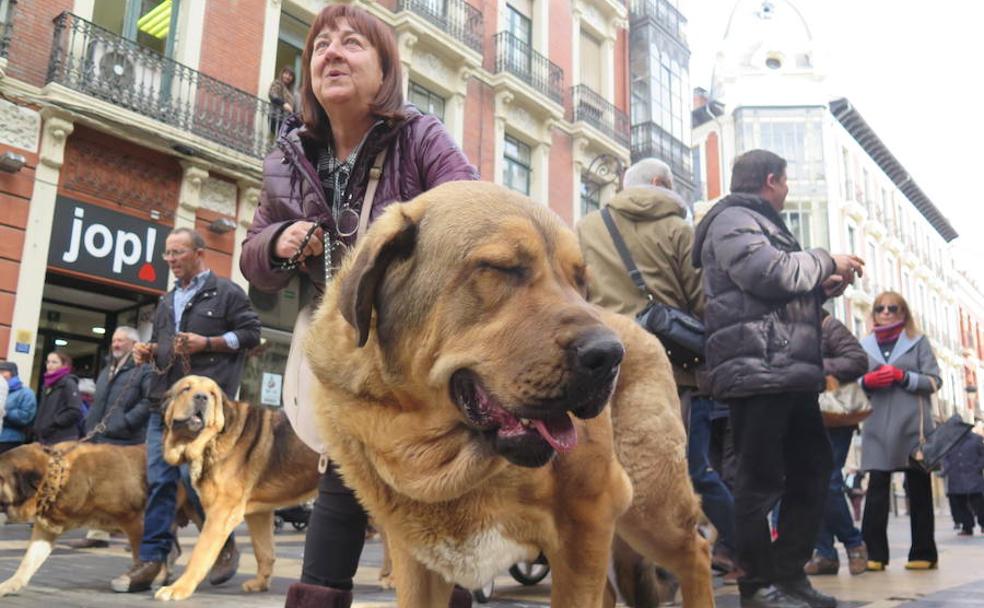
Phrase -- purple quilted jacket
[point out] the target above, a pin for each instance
(420, 155)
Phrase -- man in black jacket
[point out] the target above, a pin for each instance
(203, 326)
(762, 318)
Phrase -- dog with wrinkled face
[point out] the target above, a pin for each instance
(462, 388)
(245, 462)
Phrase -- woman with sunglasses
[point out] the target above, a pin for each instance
(903, 374)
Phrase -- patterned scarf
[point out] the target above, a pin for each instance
(886, 334)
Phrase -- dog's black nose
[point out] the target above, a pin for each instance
(200, 398)
(597, 353)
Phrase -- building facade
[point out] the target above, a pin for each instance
(847, 192)
(122, 119)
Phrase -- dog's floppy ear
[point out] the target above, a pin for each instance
(26, 483)
(393, 237)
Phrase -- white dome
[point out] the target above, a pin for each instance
(767, 57)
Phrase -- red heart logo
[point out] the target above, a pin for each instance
(147, 273)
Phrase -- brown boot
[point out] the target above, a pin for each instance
(226, 563)
(88, 543)
(139, 578)
(304, 595)
(821, 565)
(460, 598)
(857, 559)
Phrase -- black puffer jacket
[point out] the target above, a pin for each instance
(127, 398)
(59, 412)
(763, 301)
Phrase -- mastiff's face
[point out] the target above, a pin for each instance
(21, 471)
(193, 411)
(477, 294)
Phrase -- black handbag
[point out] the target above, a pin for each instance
(681, 334)
(928, 455)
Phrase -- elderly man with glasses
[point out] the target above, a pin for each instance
(206, 321)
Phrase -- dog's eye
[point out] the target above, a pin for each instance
(515, 272)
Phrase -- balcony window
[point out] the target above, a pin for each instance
(290, 46)
(6, 24)
(798, 223)
(457, 18)
(591, 62)
(848, 175)
(149, 23)
(590, 196)
(426, 101)
(516, 166)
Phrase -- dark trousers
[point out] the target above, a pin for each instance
(837, 517)
(783, 455)
(715, 497)
(335, 536)
(874, 525)
(964, 508)
(9, 445)
(721, 451)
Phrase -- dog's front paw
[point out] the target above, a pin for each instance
(255, 585)
(9, 586)
(386, 581)
(175, 592)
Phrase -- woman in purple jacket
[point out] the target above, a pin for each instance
(313, 208)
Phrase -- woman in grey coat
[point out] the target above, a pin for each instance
(904, 373)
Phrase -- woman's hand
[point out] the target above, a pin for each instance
(883, 377)
(292, 237)
(897, 375)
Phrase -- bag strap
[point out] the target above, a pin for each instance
(623, 253)
(922, 413)
(374, 174)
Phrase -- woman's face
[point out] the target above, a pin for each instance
(345, 69)
(287, 78)
(888, 311)
(53, 362)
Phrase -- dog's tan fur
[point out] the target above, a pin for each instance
(105, 487)
(245, 462)
(434, 288)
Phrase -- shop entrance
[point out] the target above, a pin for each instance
(79, 317)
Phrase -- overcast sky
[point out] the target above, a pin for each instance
(914, 69)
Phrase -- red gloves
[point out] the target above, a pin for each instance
(883, 377)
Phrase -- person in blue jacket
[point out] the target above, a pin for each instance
(21, 406)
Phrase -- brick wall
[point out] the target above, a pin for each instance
(232, 42)
(559, 47)
(478, 141)
(30, 45)
(713, 167)
(15, 195)
(561, 184)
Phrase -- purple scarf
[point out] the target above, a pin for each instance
(50, 378)
(886, 334)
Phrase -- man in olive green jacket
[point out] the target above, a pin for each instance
(652, 219)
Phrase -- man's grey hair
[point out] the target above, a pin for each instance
(130, 332)
(645, 171)
(196, 239)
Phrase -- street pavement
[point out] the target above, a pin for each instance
(80, 578)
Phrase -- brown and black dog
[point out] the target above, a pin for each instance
(245, 462)
(100, 486)
(462, 387)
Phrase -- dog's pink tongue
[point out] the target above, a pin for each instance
(558, 431)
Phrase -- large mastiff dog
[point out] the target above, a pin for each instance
(88, 485)
(245, 462)
(462, 384)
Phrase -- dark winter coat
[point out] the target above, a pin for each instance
(127, 397)
(843, 356)
(219, 306)
(420, 155)
(21, 407)
(59, 412)
(652, 222)
(892, 430)
(963, 466)
(763, 295)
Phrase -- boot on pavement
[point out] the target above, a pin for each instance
(801, 589)
(304, 595)
(771, 597)
(139, 578)
(857, 559)
(819, 565)
(460, 598)
(226, 563)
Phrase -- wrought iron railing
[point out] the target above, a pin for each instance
(516, 57)
(461, 20)
(97, 62)
(595, 110)
(649, 140)
(7, 27)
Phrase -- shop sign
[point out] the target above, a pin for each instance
(97, 241)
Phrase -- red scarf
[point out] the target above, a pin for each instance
(50, 378)
(886, 334)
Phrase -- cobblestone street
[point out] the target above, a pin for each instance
(80, 578)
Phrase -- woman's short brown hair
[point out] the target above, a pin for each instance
(65, 358)
(388, 103)
(910, 323)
